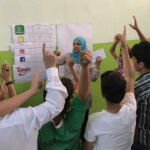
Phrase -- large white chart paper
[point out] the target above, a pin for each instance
(66, 32)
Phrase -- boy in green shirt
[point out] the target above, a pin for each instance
(64, 132)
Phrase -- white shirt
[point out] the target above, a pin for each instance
(113, 131)
(19, 129)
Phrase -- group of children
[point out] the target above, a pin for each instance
(60, 122)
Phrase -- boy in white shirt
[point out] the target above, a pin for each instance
(19, 129)
(113, 128)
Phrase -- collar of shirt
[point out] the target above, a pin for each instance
(59, 125)
(141, 76)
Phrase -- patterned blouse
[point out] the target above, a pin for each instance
(65, 72)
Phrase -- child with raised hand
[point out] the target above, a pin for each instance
(21, 126)
(64, 131)
(70, 62)
(136, 28)
(79, 45)
(117, 57)
(141, 62)
(113, 128)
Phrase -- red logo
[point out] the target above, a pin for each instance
(21, 51)
(22, 71)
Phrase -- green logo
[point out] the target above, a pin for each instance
(19, 29)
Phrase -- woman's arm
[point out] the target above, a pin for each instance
(62, 59)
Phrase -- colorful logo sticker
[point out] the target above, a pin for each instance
(20, 39)
(19, 29)
(21, 51)
(22, 59)
(23, 71)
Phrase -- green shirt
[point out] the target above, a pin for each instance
(67, 137)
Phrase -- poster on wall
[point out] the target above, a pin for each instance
(34, 33)
(27, 42)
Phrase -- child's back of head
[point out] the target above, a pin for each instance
(141, 52)
(113, 86)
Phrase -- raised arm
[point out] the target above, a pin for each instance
(56, 92)
(6, 75)
(85, 60)
(136, 28)
(70, 62)
(98, 62)
(113, 47)
(12, 103)
(127, 64)
(35, 117)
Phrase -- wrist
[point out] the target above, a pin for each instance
(8, 80)
(137, 29)
(97, 65)
(85, 65)
(8, 83)
(116, 41)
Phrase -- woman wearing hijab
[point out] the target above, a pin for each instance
(79, 44)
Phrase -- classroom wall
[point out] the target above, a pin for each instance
(107, 16)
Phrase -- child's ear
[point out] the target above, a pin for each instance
(141, 65)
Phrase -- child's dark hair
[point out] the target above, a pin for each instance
(141, 52)
(69, 86)
(113, 86)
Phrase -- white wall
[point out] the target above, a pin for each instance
(107, 16)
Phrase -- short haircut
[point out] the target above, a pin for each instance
(113, 86)
(141, 52)
(69, 86)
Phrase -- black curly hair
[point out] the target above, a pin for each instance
(69, 86)
(141, 52)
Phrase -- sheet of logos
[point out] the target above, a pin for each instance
(27, 41)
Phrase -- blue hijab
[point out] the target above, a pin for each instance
(75, 55)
